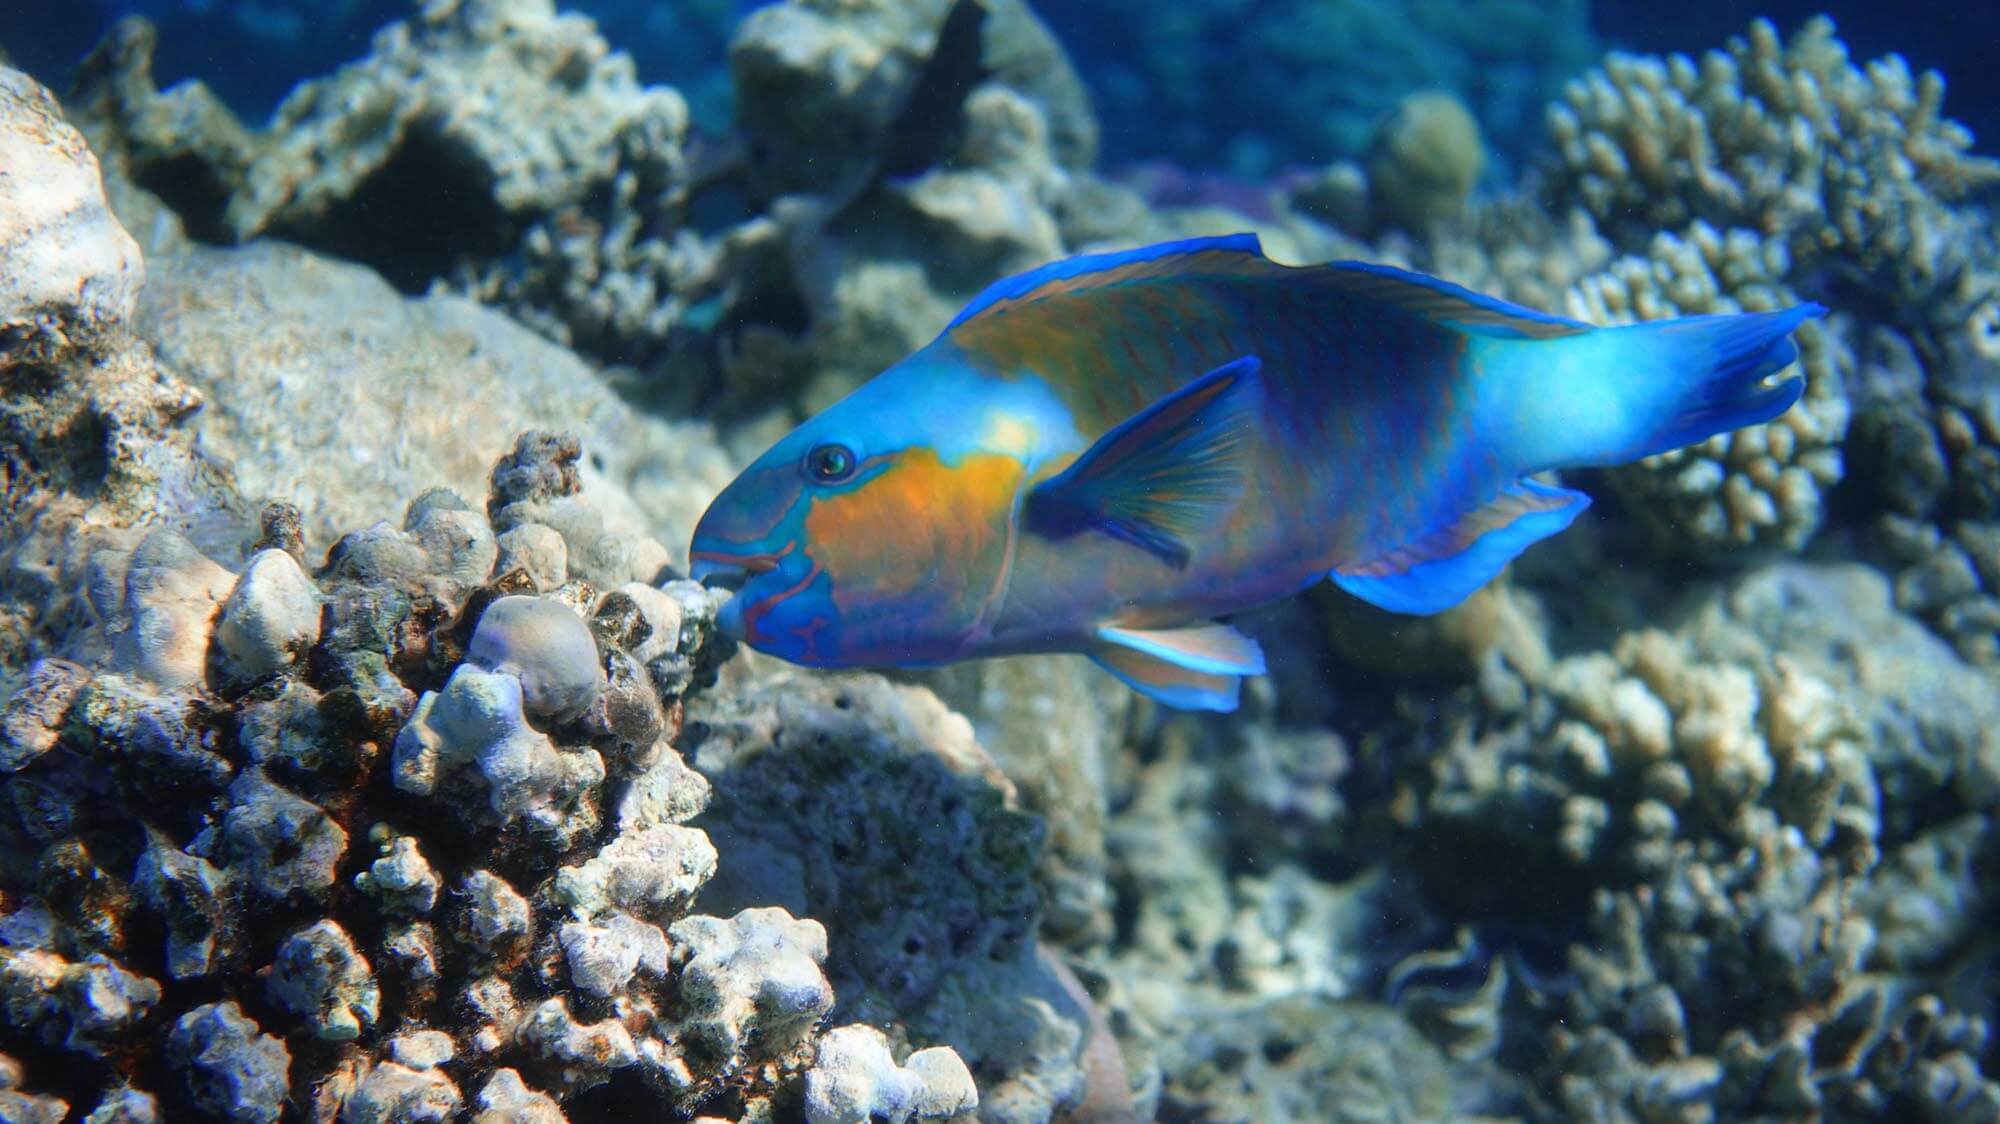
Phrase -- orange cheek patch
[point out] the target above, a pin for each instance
(920, 527)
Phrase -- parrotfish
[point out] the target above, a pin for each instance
(1107, 454)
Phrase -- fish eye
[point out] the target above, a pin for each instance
(830, 464)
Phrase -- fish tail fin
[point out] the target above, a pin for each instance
(1613, 395)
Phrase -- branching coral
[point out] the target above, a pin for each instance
(1718, 797)
(1847, 184)
(1851, 170)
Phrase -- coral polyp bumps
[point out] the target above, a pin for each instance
(391, 826)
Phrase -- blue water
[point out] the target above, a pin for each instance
(1200, 84)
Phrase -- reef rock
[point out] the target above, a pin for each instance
(869, 808)
(855, 1080)
(89, 429)
(329, 368)
(820, 84)
(460, 127)
(68, 270)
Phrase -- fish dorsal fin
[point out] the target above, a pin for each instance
(1444, 568)
(1162, 475)
(1200, 667)
(1442, 302)
(1088, 271)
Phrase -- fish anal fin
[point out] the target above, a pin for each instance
(1442, 569)
(1200, 667)
(1442, 302)
(1162, 475)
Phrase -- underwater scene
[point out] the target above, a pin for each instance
(1019, 561)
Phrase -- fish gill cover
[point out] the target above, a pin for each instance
(366, 756)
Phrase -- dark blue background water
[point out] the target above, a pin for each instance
(252, 51)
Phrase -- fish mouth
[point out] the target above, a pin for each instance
(723, 570)
(738, 573)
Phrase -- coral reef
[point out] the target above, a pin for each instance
(820, 85)
(1307, 82)
(493, 146)
(1852, 187)
(87, 419)
(1052, 727)
(560, 946)
(384, 836)
(1297, 1059)
(1849, 169)
(895, 209)
(1727, 791)
(495, 104)
(1927, 442)
(578, 225)
(870, 805)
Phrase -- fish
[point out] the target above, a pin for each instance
(934, 100)
(1111, 453)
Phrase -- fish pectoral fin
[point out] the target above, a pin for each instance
(1164, 474)
(1200, 667)
(1444, 568)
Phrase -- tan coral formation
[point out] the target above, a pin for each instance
(1721, 791)
(1425, 160)
(1789, 139)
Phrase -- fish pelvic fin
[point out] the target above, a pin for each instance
(1199, 667)
(1444, 568)
(1163, 475)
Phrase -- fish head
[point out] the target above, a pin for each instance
(880, 532)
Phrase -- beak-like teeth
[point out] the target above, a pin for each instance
(719, 575)
(729, 573)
